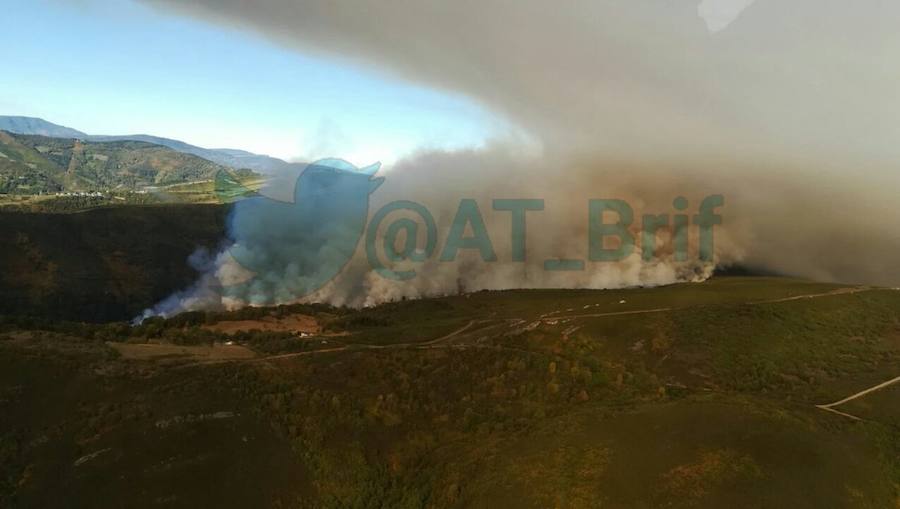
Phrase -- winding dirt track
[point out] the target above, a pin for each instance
(556, 318)
(420, 344)
(427, 344)
(439, 342)
(839, 291)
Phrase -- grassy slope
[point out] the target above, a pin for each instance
(23, 169)
(708, 405)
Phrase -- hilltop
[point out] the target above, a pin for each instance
(38, 126)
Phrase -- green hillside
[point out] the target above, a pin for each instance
(35, 165)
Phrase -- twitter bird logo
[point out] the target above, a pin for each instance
(295, 248)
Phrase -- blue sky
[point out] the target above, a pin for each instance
(115, 67)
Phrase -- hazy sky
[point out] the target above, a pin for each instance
(812, 82)
(116, 67)
(807, 82)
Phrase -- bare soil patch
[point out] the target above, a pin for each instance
(294, 323)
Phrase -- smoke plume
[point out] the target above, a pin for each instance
(790, 112)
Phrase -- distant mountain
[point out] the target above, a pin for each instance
(31, 164)
(39, 126)
(232, 158)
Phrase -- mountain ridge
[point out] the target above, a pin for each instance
(35, 164)
(38, 126)
(232, 158)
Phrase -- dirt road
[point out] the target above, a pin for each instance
(830, 406)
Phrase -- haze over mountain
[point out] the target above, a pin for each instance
(39, 126)
(232, 158)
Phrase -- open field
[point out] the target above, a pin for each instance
(696, 396)
(149, 351)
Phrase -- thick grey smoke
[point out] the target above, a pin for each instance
(813, 81)
(790, 111)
